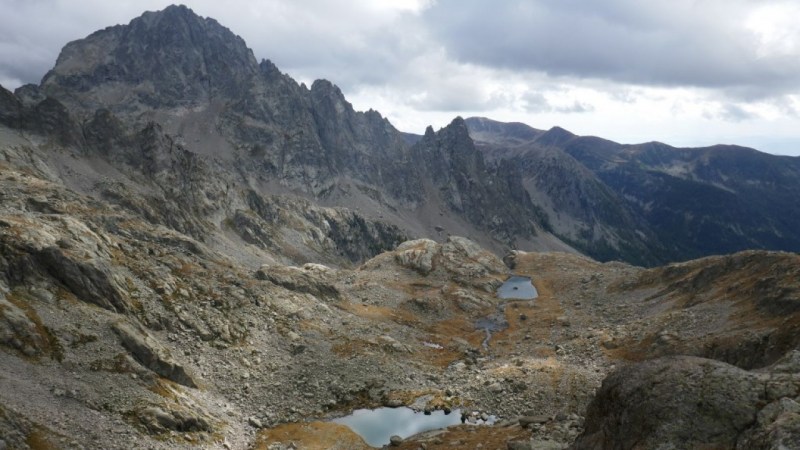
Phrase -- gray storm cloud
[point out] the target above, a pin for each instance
(677, 43)
(666, 43)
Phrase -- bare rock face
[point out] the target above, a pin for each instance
(150, 353)
(778, 423)
(460, 256)
(14, 429)
(159, 47)
(778, 426)
(63, 250)
(44, 115)
(90, 282)
(689, 402)
(174, 61)
(582, 209)
(274, 222)
(178, 103)
(10, 108)
(494, 202)
(472, 265)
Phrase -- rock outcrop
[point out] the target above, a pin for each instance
(89, 282)
(158, 420)
(197, 130)
(460, 259)
(151, 354)
(20, 331)
(688, 402)
(314, 279)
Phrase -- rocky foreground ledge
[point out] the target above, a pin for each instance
(116, 332)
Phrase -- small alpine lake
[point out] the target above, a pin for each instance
(517, 288)
(376, 426)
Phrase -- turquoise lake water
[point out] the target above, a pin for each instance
(376, 426)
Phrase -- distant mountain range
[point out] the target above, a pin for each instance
(651, 203)
(172, 117)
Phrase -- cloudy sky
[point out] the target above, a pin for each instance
(684, 72)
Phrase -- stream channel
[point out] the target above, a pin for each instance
(514, 288)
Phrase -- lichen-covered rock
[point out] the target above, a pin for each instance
(472, 265)
(14, 429)
(459, 259)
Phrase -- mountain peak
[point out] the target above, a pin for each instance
(458, 129)
(554, 136)
(485, 129)
(170, 13)
(325, 86)
(162, 58)
(458, 121)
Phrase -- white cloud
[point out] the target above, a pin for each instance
(776, 27)
(655, 43)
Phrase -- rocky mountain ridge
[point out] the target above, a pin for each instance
(195, 83)
(177, 270)
(532, 189)
(651, 203)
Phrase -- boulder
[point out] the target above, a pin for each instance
(159, 420)
(417, 255)
(673, 402)
(525, 421)
(465, 257)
